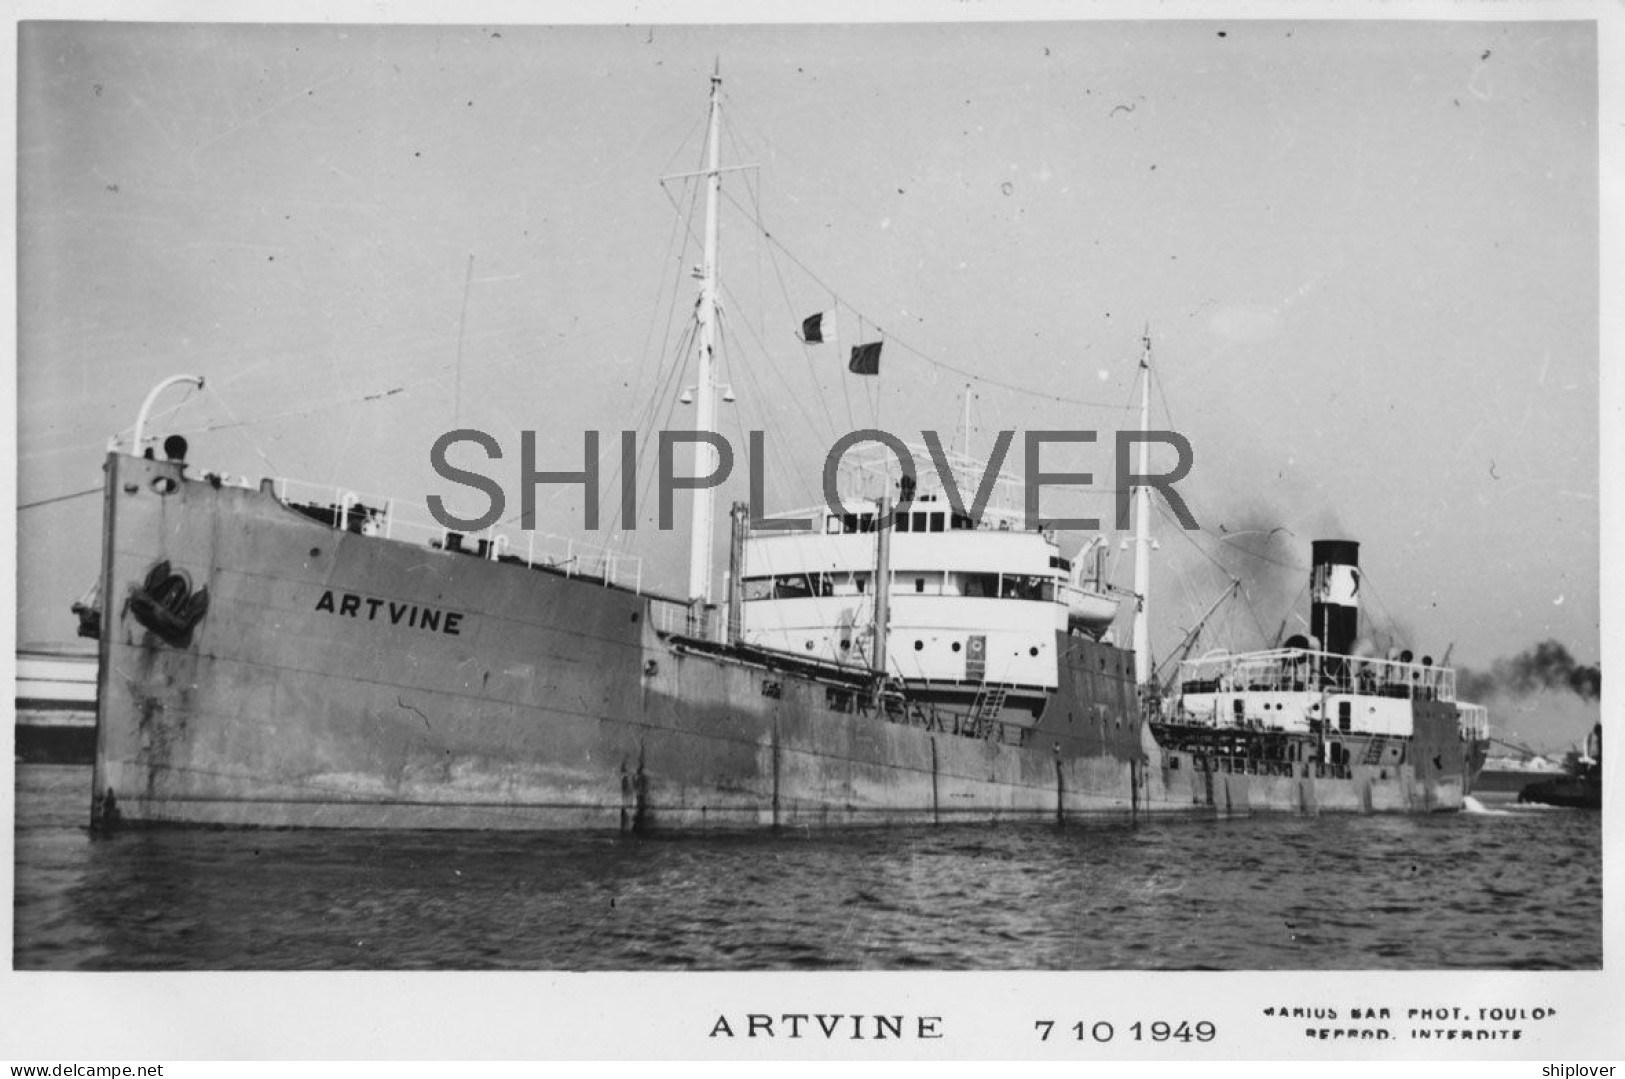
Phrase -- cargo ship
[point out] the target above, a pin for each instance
(1374, 732)
(270, 655)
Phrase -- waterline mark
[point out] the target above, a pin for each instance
(669, 482)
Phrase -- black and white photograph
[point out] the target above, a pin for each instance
(1097, 513)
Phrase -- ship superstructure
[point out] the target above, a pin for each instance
(976, 605)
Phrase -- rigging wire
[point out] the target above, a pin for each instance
(645, 425)
(1162, 395)
(58, 498)
(253, 443)
(806, 352)
(665, 392)
(795, 398)
(774, 447)
(755, 214)
(1367, 583)
(645, 432)
(191, 391)
(898, 342)
(1172, 519)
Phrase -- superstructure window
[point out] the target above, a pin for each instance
(1018, 586)
(979, 584)
(792, 586)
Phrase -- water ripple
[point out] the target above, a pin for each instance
(1503, 890)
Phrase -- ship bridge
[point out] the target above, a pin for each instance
(974, 602)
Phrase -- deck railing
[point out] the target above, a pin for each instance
(1299, 669)
(409, 522)
(674, 618)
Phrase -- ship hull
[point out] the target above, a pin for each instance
(1568, 792)
(340, 680)
(259, 668)
(1430, 771)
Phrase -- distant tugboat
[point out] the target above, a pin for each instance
(1581, 787)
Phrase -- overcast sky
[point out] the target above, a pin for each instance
(1367, 253)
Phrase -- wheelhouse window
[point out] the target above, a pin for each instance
(792, 586)
(979, 584)
(789, 586)
(1020, 586)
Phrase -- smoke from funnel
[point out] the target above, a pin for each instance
(1546, 666)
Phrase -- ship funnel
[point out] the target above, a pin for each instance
(1334, 592)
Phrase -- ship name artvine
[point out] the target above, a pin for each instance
(374, 609)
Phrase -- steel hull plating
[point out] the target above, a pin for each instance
(1434, 776)
(340, 680)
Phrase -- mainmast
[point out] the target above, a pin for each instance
(1142, 528)
(705, 394)
(882, 583)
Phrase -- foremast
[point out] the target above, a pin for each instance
(1142, 528)
(705, 394)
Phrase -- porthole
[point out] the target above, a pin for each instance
(1033, 651)
(919, 646)
(956, 646)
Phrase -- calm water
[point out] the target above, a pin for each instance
(1510, 888)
